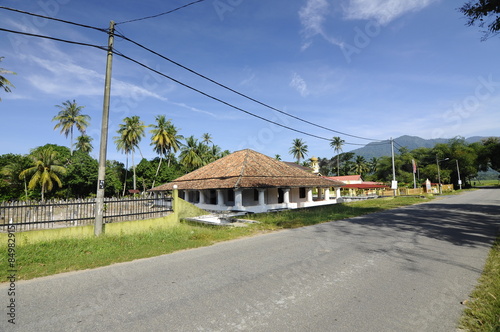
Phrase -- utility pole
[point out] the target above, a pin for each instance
(394, 184)
(440, 190)
(459, 179)
(99, 204)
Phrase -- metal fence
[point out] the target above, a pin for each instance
(29, 215)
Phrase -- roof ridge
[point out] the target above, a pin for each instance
(243, 166)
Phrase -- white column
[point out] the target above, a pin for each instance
(309, 195)
(220, 197)
(238, 199)
(337, 192)
(327, 194)
(262, 196)
(286, 195)
(202, 197)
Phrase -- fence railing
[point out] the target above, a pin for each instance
(29, 215)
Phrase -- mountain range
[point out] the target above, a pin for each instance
(383, 148)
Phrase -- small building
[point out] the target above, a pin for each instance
(347, 179)
(355, 186)
(250, 181)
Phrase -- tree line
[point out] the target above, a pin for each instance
(70, 172)
(450, 162)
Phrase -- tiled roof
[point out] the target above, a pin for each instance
(346, 178)
(247, 169)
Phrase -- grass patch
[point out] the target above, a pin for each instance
(487, 183)
(48, 258)
(52, 257)
(483, 310)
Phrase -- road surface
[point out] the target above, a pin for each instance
(406, 269)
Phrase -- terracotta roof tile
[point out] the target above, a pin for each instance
(247, 169)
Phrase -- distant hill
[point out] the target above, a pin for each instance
(379, 149)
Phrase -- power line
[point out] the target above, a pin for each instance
(178, 82)
(217, 99)
(239, 93)
(161, 14)
(53, 38)
(172, 61)
(54, 19)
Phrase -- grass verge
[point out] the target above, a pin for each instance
(48, 258)
(483, 310)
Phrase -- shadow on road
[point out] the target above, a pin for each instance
(460, 224)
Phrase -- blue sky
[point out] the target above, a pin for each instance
(368, 68)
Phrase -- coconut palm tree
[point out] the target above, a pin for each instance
(336, 144)
(206, 138)
(70, 116)
(131, 132)
(360, 167)
(4, 83)
(83, 144)
(164, 140)
(45, 170)
(373, 165)
(299, 149)
(190, 155)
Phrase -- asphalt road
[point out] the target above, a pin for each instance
(406, 269)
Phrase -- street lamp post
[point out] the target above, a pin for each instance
(439, 173)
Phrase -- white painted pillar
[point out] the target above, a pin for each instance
(238, 199)
(186, 195)
(202, 197)
(220, 197)
(327, 194)
(338, 195)
(286, 195)
(309, 194)
(262, 197)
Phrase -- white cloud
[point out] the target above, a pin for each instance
(299, 84)
(312, 17)
(382, 11)
(59, 73)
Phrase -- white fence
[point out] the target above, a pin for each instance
(28, 215)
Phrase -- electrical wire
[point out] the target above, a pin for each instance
(161, 14)
(53, 38)
(239, 93)
(171, 61)
(172, 79)
(54, 19)
(215, 98)
(176, 81)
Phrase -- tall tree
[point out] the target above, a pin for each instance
(70, 116)
(206, 138)
(299, 149)
(5, 83)
(131, 132)
(336, 144)
(83, 144)
(373, 165)
(45, 170)
(360, 165)
(190, 156)
(486, 12)
(11, 187)
(165, 139)
(489, 156)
